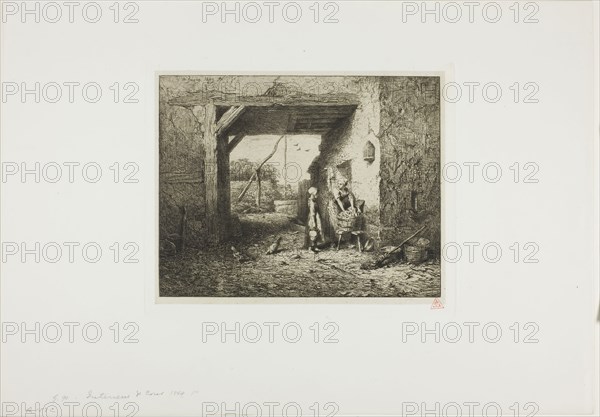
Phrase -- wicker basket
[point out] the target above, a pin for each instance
(415, 254)
(348, 223)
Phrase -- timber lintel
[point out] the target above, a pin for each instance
(229, 117)
(222, 99)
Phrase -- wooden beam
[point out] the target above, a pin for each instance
(317, 119)
(235, 141)
(291, 125)
(311, 131)
(229, 118)
(285, 151)
(309, 109)
(180, 177)
(259, 189)
(216, 179)
(305, 125)
(210, 169)
(221, 99)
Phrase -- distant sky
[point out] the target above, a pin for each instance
(302, 150)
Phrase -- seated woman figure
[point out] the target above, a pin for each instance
(344, 198)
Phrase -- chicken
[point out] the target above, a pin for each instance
(274, 248)
(240, 257)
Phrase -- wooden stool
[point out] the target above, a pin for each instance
(358, 234)
(340, 233)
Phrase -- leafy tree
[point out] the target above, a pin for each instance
(243, 169)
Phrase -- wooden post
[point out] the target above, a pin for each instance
(258, 191)
(303, 187)
(216, 178)
(285, 168)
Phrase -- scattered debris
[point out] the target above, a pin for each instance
(293, 272)
(385, 260)
(326, 262)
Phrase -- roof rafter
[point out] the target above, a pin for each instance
(235, 141)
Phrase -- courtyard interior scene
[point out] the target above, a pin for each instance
(290, 191)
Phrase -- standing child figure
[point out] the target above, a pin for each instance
(314, 230)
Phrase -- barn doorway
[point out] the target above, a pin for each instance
(270, 204)
(229, 126)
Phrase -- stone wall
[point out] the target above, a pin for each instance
(400, 116)
(181, 168)
(410, 158)
(270, 192)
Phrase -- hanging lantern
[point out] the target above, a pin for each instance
(369, 152)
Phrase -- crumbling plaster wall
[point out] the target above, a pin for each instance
(181, 180)
(401, 187)
(410, 158)
(344, 146)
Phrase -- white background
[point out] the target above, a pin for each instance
(370, 371)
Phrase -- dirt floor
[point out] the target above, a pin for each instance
(293, 272)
